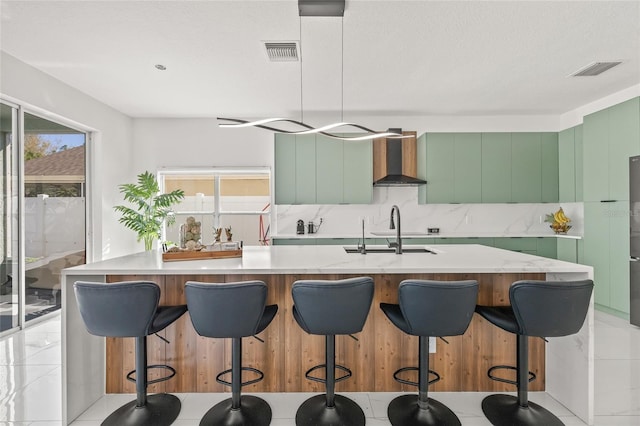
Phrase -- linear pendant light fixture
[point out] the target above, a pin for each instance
(312, 8)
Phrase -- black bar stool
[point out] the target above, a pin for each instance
(542, 309)
(428, 308)
(130, 309)
(328, 308)
(232, 310)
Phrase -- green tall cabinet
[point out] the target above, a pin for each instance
(610, 137)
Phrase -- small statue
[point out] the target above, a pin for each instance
(229, 234)
(216, 233)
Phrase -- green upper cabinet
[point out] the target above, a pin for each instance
(496, 167)
(306, 169)
(467, 169)
(549, 167)
(440, 167)
(329, 171)
(579, 162)
(488, 167)
(313, 169)
(453, 168)
(570, 164)
(567, 168)
(285, 169)
(624, 142)
(421, 171)
(358, 172)
(526, 173)
(610, 137)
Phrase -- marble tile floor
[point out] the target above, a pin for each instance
(30, 375)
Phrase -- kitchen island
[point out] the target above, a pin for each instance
(93, 365)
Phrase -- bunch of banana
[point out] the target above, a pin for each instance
(560, 217)
(559, 221)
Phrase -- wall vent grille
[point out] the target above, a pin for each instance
(595, 68)
(282, 51)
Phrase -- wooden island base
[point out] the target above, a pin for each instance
(288, 352)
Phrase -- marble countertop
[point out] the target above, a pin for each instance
(332, 259)
(412, 234)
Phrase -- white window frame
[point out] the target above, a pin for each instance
(216, 173)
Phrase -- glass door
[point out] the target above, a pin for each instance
(54, 209)
(9, 253)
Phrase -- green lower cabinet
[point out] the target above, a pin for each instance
(338, 241)
(567, 249)
(619, 252)
(547, 247)
(525, 244)
(418, 241)
(596, 248)
(294, 241)
(470, 240)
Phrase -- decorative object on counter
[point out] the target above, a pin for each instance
(228, 233)
(559, 222)
(312, 228)
(151, 209)
(191, 234)
(433, 230)
(300, 227)
(216, 233)
(214, 251)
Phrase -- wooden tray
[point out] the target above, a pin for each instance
(197, 255)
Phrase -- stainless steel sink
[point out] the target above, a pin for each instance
(390, 250)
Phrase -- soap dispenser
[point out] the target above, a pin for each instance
(300, 227)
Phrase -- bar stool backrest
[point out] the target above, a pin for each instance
(124, 309)
(227, 310)
(332, 307)
(550, 308)
(437, 308)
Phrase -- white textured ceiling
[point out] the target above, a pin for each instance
(400, 57)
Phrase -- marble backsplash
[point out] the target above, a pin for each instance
(463, 220)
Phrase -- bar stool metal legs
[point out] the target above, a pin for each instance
(410, 410)
(330, 409)
(239, 410)
(506, 410)
(160, 409)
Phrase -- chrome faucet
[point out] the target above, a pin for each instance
(398, 243)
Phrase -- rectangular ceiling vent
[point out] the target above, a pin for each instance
(595, 68)
(281, 51)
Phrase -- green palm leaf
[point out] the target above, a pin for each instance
(150, 208)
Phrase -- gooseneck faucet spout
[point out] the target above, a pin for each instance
(398, 243)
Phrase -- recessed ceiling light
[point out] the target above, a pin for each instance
(161, 67)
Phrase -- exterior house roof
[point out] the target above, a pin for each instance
(67, 165)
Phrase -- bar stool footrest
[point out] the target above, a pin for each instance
(409, 382)
(321, 380)
(150, 382)
(248, 382)
(532, 375)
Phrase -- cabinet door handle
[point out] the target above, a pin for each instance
(634, 259)
(607, 201)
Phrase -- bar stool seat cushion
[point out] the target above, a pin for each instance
(269, 313)
(501, 316)
(165, 315)
(394, 313)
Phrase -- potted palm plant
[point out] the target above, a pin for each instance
(151, 208)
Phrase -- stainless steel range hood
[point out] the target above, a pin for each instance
(395, 162)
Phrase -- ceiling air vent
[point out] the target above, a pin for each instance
(281, 51)
(595, 68)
